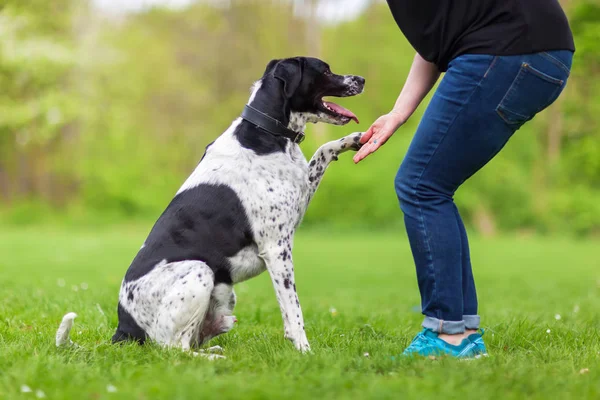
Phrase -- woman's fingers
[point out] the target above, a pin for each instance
(377, 140)
(367, 135)
(371, 146)
(377, 134)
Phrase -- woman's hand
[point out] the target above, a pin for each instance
(421, 78)
(376, 136)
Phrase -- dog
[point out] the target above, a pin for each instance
(236, 214)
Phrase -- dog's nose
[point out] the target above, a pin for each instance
(360, 80)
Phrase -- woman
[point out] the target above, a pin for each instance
(504, 62)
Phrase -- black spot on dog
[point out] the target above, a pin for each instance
(284, 256)
(182, 299)
(130, 296)
(270, 189)
(294, 287)
(286, 283)
(312, 163)
(280, 227)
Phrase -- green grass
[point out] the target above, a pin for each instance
(368, 278)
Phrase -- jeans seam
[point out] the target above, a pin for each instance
(421, 216)
(490, 67)
(517, 79)
(543, 75)
(556, 61)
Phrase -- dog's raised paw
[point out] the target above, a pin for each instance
(356, 144)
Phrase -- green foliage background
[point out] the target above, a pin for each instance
(103, 117)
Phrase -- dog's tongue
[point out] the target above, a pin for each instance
(341, 110)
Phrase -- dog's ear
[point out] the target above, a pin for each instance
(289, 71)
(270, 66)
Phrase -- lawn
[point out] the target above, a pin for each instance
(540, 301)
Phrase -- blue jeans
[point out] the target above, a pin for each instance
(481, 101)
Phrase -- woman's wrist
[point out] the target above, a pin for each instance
(398, 117)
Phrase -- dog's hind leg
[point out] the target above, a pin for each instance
(325, 155)
(219, 318)
(184, 305)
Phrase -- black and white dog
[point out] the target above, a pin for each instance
(236, 215)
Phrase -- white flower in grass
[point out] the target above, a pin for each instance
(366, 354)
(75, 288)
(25, 389)
(111, 389)
(557, 317)
(61, 282)
(548, 331)
(576, 308)
(40, 394)
(333, 311)
(84, 286)
(584, 371)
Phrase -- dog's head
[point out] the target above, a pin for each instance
(303, 82)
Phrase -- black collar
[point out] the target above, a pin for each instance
(270, 124)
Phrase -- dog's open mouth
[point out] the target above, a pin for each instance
(341, 114)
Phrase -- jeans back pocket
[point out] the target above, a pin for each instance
(531, 92)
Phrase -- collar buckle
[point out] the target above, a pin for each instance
(299, 138)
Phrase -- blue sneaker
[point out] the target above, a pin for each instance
(427, 344)
(480, 349)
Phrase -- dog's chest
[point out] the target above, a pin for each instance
(279, 197)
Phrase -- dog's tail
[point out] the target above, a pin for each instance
(62, 334)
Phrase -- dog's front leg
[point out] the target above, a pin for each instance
(326, 154)
(279, 263)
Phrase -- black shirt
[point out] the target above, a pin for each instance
(441, 30)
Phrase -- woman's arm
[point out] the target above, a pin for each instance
(421, 78)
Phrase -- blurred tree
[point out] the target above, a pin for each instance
(36, 58)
